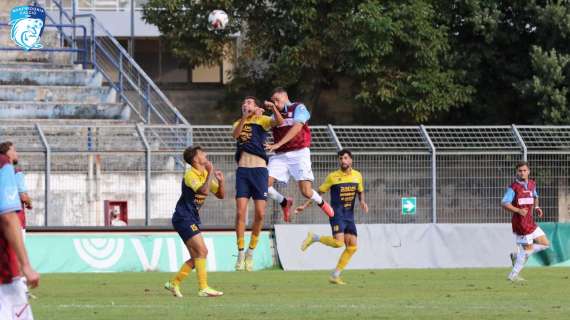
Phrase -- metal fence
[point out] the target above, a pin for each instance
(456, 174)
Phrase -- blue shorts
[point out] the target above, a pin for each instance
(252, 183)
(341, 224)
(186, 224)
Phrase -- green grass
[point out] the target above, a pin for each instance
(371, 294)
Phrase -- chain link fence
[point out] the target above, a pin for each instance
(454, 174)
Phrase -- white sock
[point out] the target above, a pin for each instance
(519, 264)
(538, 247)
(241, 254)
(317, 198)
(336, 273)
(275, 195)
(316, 238)
(249, 252)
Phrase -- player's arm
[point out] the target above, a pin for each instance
(203, 190)
(239, 125)
(23, 190)
(300, 117)
(277, 117)
(218, 187)
(538, 210)
(363, 204)
(507, 203)
(361, 200)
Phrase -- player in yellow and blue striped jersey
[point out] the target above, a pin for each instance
(345, 185)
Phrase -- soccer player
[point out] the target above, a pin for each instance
(292, 155)
(521, 199)
(20, 180)
(198, 181)
(345, 184)
(13, 290)
(251, 176)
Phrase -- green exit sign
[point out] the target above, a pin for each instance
(408, 206)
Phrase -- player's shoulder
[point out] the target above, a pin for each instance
(356, 173)
(4, 160)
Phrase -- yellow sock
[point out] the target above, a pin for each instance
(201, 273)
(240, 243)
(182, 274)
(330, 241)
(345, 257)
(253, 241)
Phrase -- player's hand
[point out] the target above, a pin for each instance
(272, 147)
(269, 104)
(364, 206)
(25, 198)
(219, 175)
(209, 166)
(32, 277)
(523, 212)
(299, 209)
(539, 212)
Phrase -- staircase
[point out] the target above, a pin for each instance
(49, 85)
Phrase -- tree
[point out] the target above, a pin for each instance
(396, 60)
(514, 54)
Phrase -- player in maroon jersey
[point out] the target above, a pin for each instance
(13, 291)
(521, 199)
(292, 155)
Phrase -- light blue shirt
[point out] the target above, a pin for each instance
(9, 196)
(301, 114)
(510, 194)
(21, 180)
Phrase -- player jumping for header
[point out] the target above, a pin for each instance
(292, 155)
(250, 133)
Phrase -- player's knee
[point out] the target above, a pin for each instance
(338, 244)
(203, 252)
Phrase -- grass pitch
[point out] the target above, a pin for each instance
(370, 294)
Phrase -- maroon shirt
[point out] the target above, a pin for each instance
(524, 198)
(300, 141)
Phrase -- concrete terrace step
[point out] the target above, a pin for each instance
(39, 56)
(58, 94)
(64, 110)
(38, 65)
(49, 39)
(66, 122)
(51, 77)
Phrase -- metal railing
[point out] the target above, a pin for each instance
(456, 174)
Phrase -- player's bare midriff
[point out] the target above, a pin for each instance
(248, 160)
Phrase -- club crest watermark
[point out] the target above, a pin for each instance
(27, 26)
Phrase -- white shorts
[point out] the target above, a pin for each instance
(295, 163)
(14, 301)
(529, 238)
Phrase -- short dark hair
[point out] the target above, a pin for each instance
(5, 147)
(343, 152)
(255, 100)
(279, 90)
(522, 164)
(190, 153)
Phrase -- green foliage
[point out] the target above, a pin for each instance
(435, 61)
